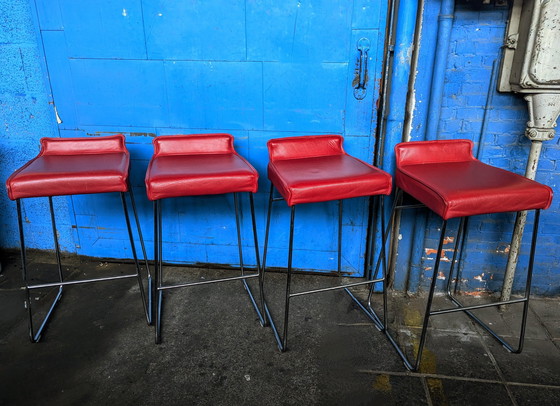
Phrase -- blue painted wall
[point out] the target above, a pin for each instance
(255, 69)
(203, 89)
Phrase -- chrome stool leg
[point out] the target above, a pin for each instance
(240, 247)
(158, 282)
(137, 264)
(144, 253)
(36, 336)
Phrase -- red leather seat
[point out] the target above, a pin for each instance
(199, 164)
(70, 166)
(449, 180)
(205, 164)
(446, 177)
(316, 169)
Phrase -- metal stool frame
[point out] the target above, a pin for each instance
(367, 309)
(158, 260)
(413, 365)
(35, 336)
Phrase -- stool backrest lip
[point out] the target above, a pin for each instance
(193, 144)
(430, 152)
(83, 145)
(307, 146)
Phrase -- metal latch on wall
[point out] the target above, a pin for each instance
(361, 78)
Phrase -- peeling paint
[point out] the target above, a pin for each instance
(441, 276)
(504, 250)
(58, 119)
(431, 251)
(479, 277)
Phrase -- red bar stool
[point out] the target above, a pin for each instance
(73, 166)
(313, 169)
(445, 177)
(194, 165)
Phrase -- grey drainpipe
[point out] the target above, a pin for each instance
(398, 80)
(445, 24)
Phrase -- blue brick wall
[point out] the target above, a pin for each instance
(477, 37)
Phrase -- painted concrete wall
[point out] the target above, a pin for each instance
(476, 40)
(255, 69)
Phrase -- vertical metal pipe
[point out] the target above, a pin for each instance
(399, 78)
(520, 221)
(445, 24)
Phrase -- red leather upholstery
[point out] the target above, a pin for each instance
(201, 164)
(446, 177)
(70, 166)
(316, 169)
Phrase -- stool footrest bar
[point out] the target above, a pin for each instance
(485, 326)
(462, 308)
(182, 285)
(52, 284)
(348, 285)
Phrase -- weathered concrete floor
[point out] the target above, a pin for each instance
(98, 349)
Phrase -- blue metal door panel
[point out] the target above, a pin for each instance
(104, 29)
(306, 107)
(256, 69)
(48, 13)
(119, 92)
(210, 30)
(215, 94)
(298, 31)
